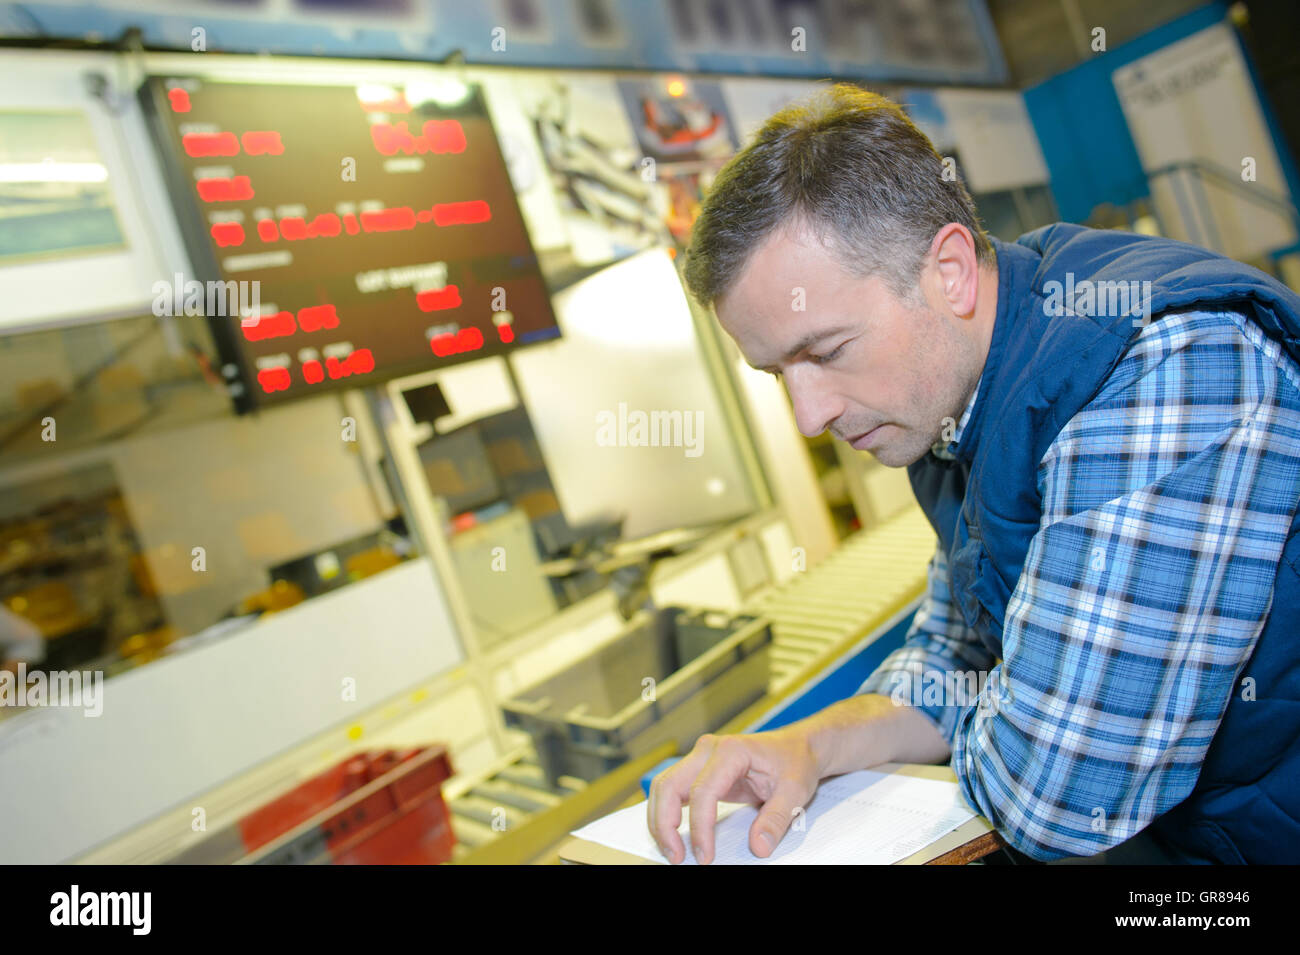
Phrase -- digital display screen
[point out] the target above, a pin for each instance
(343, 235)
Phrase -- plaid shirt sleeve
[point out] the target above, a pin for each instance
(938, 644)
(1166, 505)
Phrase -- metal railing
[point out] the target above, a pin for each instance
(1188, 183)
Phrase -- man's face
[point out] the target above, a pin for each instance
(880, 373)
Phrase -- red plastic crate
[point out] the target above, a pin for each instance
(403, 822)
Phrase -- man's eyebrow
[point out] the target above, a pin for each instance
(810, 339)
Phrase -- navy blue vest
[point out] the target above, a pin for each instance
(985, 507)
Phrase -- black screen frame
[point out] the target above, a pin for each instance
(236, 367)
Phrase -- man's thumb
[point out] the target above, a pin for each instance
(774, 820)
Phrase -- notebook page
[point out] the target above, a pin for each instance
(865, 817)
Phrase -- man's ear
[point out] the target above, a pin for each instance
(957, 266)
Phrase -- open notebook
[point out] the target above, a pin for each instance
(867, 817)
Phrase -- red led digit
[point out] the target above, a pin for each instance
(507, 333)
(273, 379)
(461, 213)
(454, 343)
(312, 372)
(262, 142)
(269, 326)
(180, 100)
(433, 300)
(225, 190)
(315, 317)
(228, 233)
(326, 224)
(388, 220)
(381, 135)
(391, 138)
(436, 136)
(266, 230)
(361, 361)
(445, 136)
(293, 228)
(210, 144)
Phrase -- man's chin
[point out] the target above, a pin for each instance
(897, 454)
(893, 459)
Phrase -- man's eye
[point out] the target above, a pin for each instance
(822, 359)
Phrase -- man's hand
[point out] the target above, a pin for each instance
(776, 770)
(779, 770)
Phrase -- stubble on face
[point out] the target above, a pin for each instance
(939, 372)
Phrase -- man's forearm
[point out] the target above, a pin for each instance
(870, 729)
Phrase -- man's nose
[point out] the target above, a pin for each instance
(814, 407)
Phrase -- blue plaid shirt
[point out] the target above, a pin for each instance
(1193, 441)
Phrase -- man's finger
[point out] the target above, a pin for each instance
(664, 811)
(668, 791)
(729, 763)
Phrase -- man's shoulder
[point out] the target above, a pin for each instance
(1194, 385)
(1195, 347)
(1171, 275)
(1141, 255)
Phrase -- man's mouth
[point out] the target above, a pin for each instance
(863, 441)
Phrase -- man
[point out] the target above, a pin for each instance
(1108, 643)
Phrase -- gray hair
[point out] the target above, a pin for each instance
(849, 164)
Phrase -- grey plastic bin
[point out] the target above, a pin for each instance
(707, 666)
